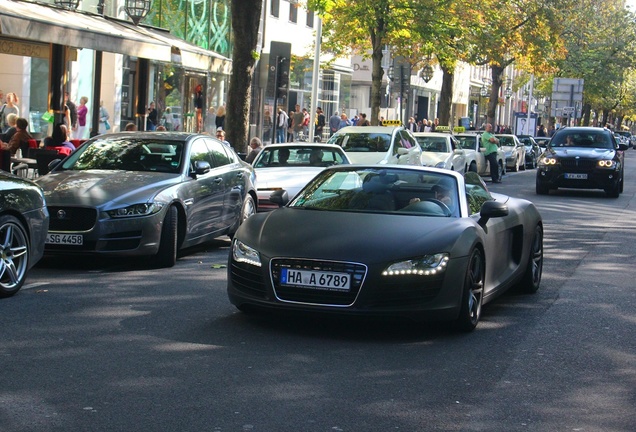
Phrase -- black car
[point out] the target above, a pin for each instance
(533, 151)
(582, 158)
(24, 221)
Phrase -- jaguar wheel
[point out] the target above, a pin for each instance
(167, 254)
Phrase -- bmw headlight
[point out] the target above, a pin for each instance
(425, 265)
(607, 164)
(135, 210)
(547, 161)
(245, 254)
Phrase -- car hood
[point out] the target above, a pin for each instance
(290, 179)
(433, 158)
(366, 158)
(585, 153)
(96, 188)
(302, 233)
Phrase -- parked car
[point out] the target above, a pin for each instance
(24, 222)
(378, 145)
(582, 158)
(514, 150)
(629, 138)
(146, 193)
(471, 143)
(290, 166)
(533, 151)
(384, 243)
(442, 150)
(542, 142)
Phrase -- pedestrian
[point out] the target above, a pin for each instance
(321, 122)
(10, 106)
(434, 125)
(256, 146)
(104, 125)
(355, 120)
(541, 132)
(290, 126)
(168, 119)
(70, 111)
(281, 126)
(220, 135)
(6, 136)
(82, 111)
(344, 121)
(298, 121)
(59, 138)
(363, 120)
(131, 127)
(219, 120)
(490, 143)
(334, 123)
(151, 119)
(198, 106)
(267, 127)
(411, 125)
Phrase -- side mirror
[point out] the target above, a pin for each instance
(491, 209)
(201, 167)
(623, 147)
(279, 197)
(54, 163)
(402, 151)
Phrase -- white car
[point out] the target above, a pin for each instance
(441, 150)
(471, 143)
(378, 145)
(290, 166)
(515, 151)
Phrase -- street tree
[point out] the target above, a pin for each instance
(246, 16)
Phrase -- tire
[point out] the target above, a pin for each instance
(502, 170)
(472, 167)
(472, 293)
(542, 189)
(14, 255)
(167, 254)
(532, 277)
(522, 165)
(614, 191)
(248, 209)
(620, 189)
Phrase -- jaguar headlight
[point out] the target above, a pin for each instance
(547, 161)
(425, 266)
(135, 210)
(245, 254)
(607, 163)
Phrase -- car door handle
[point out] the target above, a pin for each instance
(218, 180)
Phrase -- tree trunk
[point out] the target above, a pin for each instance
(446, 98)
(497, 81)
(246, 16)
(376, 80)
(587, 108)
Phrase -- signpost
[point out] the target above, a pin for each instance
(567, 98)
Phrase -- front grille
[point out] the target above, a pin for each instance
(357, 273)
(72, 218)
(248, 279)
(578, 164)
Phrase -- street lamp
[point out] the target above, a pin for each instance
(508, 92)
(484, 91)
(67, 4)
(137, 9)
(427, 71)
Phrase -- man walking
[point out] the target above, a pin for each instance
(334, 123)
(490, 143)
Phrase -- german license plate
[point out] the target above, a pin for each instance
(65, 239)
(571, 176)
(315, 279)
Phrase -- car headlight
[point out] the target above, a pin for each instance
(547, 161)
(245, 254)
(440, 165)
(136, 210)
(426, 265)
(607, 164)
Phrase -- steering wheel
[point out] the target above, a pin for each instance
(447, 211)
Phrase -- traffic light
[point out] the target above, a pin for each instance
(282, 78)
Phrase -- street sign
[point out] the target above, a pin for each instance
(567, 94)
(568, 110)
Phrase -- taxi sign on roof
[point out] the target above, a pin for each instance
(391, 123)
(456, 129)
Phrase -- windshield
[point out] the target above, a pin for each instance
(362, 142)
(433, 144)
(129, 154)
(506, 140)
(299, 156)
(369, 190)
(587, 139)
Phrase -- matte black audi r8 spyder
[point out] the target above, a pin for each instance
(425, 243)
(24, 221)
(146, 194)
(582, 158)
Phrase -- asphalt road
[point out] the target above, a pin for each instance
(114, 345)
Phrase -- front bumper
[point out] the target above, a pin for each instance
(555, 177)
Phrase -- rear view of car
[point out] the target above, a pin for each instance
(582, 158)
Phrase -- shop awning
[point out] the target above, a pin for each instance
(32, 21)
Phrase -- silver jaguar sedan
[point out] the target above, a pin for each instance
(146, 193)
